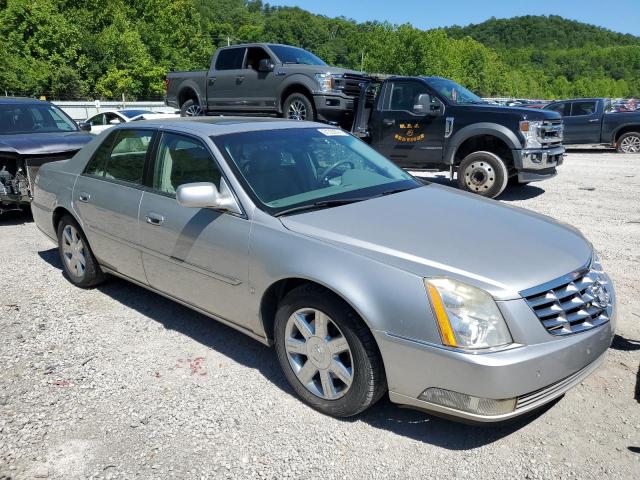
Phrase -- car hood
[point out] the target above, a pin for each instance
(435, 230)
(44, 143)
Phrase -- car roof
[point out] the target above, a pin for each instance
(20, 101)
(222, 125)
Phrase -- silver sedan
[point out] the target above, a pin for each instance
(367, 281)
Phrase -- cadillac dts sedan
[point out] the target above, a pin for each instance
(366, 281)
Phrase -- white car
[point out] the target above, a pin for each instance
(105, 120)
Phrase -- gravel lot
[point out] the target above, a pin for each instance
(118, 382)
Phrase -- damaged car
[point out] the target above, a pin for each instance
(32, 133)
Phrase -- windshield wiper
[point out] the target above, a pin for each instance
(321, 204)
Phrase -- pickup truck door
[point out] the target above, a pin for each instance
(409, 139)
(223, 78)
(258, 89)
(584, 123)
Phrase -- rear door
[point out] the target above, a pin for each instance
(223, 79)
(197, 255)
(107, 198)
(407, 138)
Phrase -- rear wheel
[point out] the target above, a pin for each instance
(298, 107)
(327, 353)
(484, 173)
(78, 261)
(629, 142)
(191, 108)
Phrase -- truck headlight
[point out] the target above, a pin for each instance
(467, 317)
(325, 81)
(531, 132)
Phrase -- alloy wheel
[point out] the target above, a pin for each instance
(193, 111)
(319, 353)
(297, 110)
(630, 144)
(73, 251)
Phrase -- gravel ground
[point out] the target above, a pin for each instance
(119, 382)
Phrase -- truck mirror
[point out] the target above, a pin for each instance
(84, 126)
(422, 104)
(266, 65)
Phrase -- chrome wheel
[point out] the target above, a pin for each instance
(73, 251)
(630, 144)
(318, 353)
(193, 111)
(479, 176)
(297, 110)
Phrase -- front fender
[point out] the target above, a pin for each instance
(483, 128)
(298, 79)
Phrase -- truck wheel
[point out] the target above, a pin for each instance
(629, 142)
(298, 107)
(191, 108)
(483, 173)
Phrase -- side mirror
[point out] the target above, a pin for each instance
(115, 121)
(206, 195)
(266, 65)
(84, 126)
(424, 106)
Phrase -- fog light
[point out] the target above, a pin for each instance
(468, 403)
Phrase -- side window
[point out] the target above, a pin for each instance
(126, 161)
(183, 160)
(254, 55)
(97, 120)
(108, 117)
(230, 59)
(404, 94)
(98, 161)
(583, 108)
(564, 109)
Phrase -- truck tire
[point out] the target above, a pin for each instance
(191, 108)
(483, 173)
(297, 106)
(629, 143)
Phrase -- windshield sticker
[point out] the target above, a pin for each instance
(333, 132)
(409, 133)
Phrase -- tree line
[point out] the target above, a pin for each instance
(65, 49)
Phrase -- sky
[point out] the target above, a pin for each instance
(618, 15)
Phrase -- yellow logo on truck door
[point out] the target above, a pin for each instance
(408, 133)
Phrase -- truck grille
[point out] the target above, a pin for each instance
(350, 84)
(552, 132)
(574, 303)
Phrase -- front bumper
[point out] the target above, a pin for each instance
(531, 374)
(534, 165)
(334, 108)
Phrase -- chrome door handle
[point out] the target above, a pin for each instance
(239, 79)
(154, 218)
(84, 197)
(389, 121)
(594, 120)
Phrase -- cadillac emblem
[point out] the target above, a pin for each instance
(601, 296)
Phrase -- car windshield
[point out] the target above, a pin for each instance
(296, 168)
(453, 92)
(21, 118)
(295, 55)
(133, 113)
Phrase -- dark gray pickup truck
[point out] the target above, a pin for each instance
(595, 121)
(267, 79)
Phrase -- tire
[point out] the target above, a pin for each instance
(363, 369)
(191, 108)
(629, 143)
(483, 173)
(69, 234)
(297, 106)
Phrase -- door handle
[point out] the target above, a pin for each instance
(594, 120)
(239, 79)
(154, 218)
(84, 197)
(389, 121)
(212, 80)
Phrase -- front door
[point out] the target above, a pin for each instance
(223, 79)
(412, 140)
(258, 88)
(198, 255)
(107, 197)
(583, 126)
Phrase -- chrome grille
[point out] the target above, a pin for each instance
(573, 303)
(552, 132)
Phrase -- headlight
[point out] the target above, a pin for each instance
(325, 80)
(467, 316)
(531, 132)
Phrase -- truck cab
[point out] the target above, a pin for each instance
(432, 123)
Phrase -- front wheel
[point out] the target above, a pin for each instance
(484, 173)
(298, 107)
(327, 353)
(629, 142)
(191, 108)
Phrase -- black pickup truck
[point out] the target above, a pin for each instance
(595, 121)
(266, 79)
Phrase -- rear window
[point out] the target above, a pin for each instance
(230, 59)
